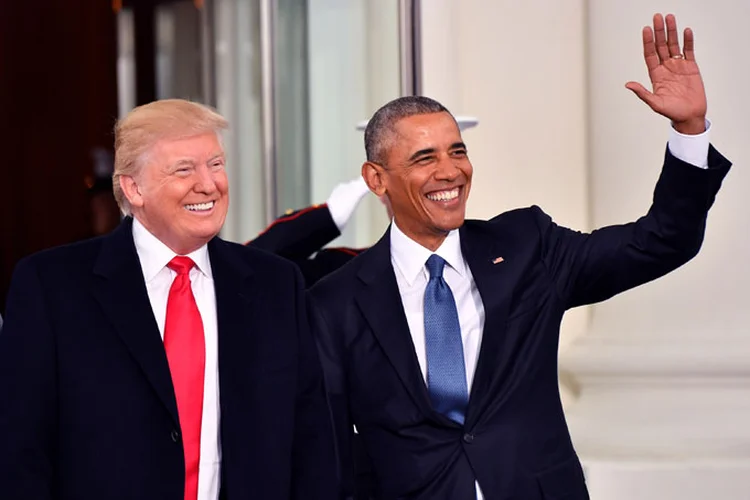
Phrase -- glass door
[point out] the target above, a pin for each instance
(353, 61)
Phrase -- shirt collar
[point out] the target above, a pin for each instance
(155, 255)
(410, 257)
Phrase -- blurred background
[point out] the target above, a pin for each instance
(656, 382)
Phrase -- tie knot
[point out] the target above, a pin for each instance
(435, 265)
(181, 264)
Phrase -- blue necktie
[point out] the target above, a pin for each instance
(446, 375)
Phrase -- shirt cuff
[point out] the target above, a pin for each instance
(692, 149)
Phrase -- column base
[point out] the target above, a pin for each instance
(682, 400)
(629, 480)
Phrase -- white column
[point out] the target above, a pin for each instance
(442, 51)
(663, 375)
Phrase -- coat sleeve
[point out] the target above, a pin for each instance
(588, 268)
(315, 466)
(28, 398)
(298, 235)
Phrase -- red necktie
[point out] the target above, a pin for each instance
(186, 353)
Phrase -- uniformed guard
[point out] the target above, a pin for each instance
(302, 235)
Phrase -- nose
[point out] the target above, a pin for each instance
(447, 170)
(205, 182)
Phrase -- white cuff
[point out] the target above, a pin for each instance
(691, 149)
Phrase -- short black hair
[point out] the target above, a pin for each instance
(384, 120)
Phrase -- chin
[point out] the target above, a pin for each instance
(447, 228)
(451, 223)
(206, 232)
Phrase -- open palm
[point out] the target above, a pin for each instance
(678, 91)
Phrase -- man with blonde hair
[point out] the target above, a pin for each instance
(161, 361)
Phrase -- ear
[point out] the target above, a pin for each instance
(131, 190)
(374, 176)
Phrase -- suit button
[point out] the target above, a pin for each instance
(468, 438)
(175, 435)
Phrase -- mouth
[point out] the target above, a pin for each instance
(201, 208)
(445, 197)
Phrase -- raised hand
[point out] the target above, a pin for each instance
(344, 200)
(678, 92)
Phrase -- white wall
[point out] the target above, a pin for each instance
(627, 142)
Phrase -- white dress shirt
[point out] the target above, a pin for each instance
(409, 258)
(154, 256)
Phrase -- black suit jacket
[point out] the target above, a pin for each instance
(515, 442)
(300, 236)
(87, 408)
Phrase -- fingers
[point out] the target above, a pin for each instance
(649, 49)
(689, 44)
(660, 36)
(664, 42)
(673, 41)
(643, 94)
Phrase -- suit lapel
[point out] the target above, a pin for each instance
(380, 302)
(122, 294)
(486, 258)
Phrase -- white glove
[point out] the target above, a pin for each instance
(344, 200)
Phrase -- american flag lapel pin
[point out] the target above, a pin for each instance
(497, 260)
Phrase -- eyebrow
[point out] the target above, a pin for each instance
(428, 151)
(188, 161)
(182, 161)
(422, 152)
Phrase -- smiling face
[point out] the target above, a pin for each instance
(426, 175)
(181, 194)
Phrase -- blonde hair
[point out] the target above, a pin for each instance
(145, 125)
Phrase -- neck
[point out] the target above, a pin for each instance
(430, 239)
(180, 247)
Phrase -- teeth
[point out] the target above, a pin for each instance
(196, 207)
(444, 195)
